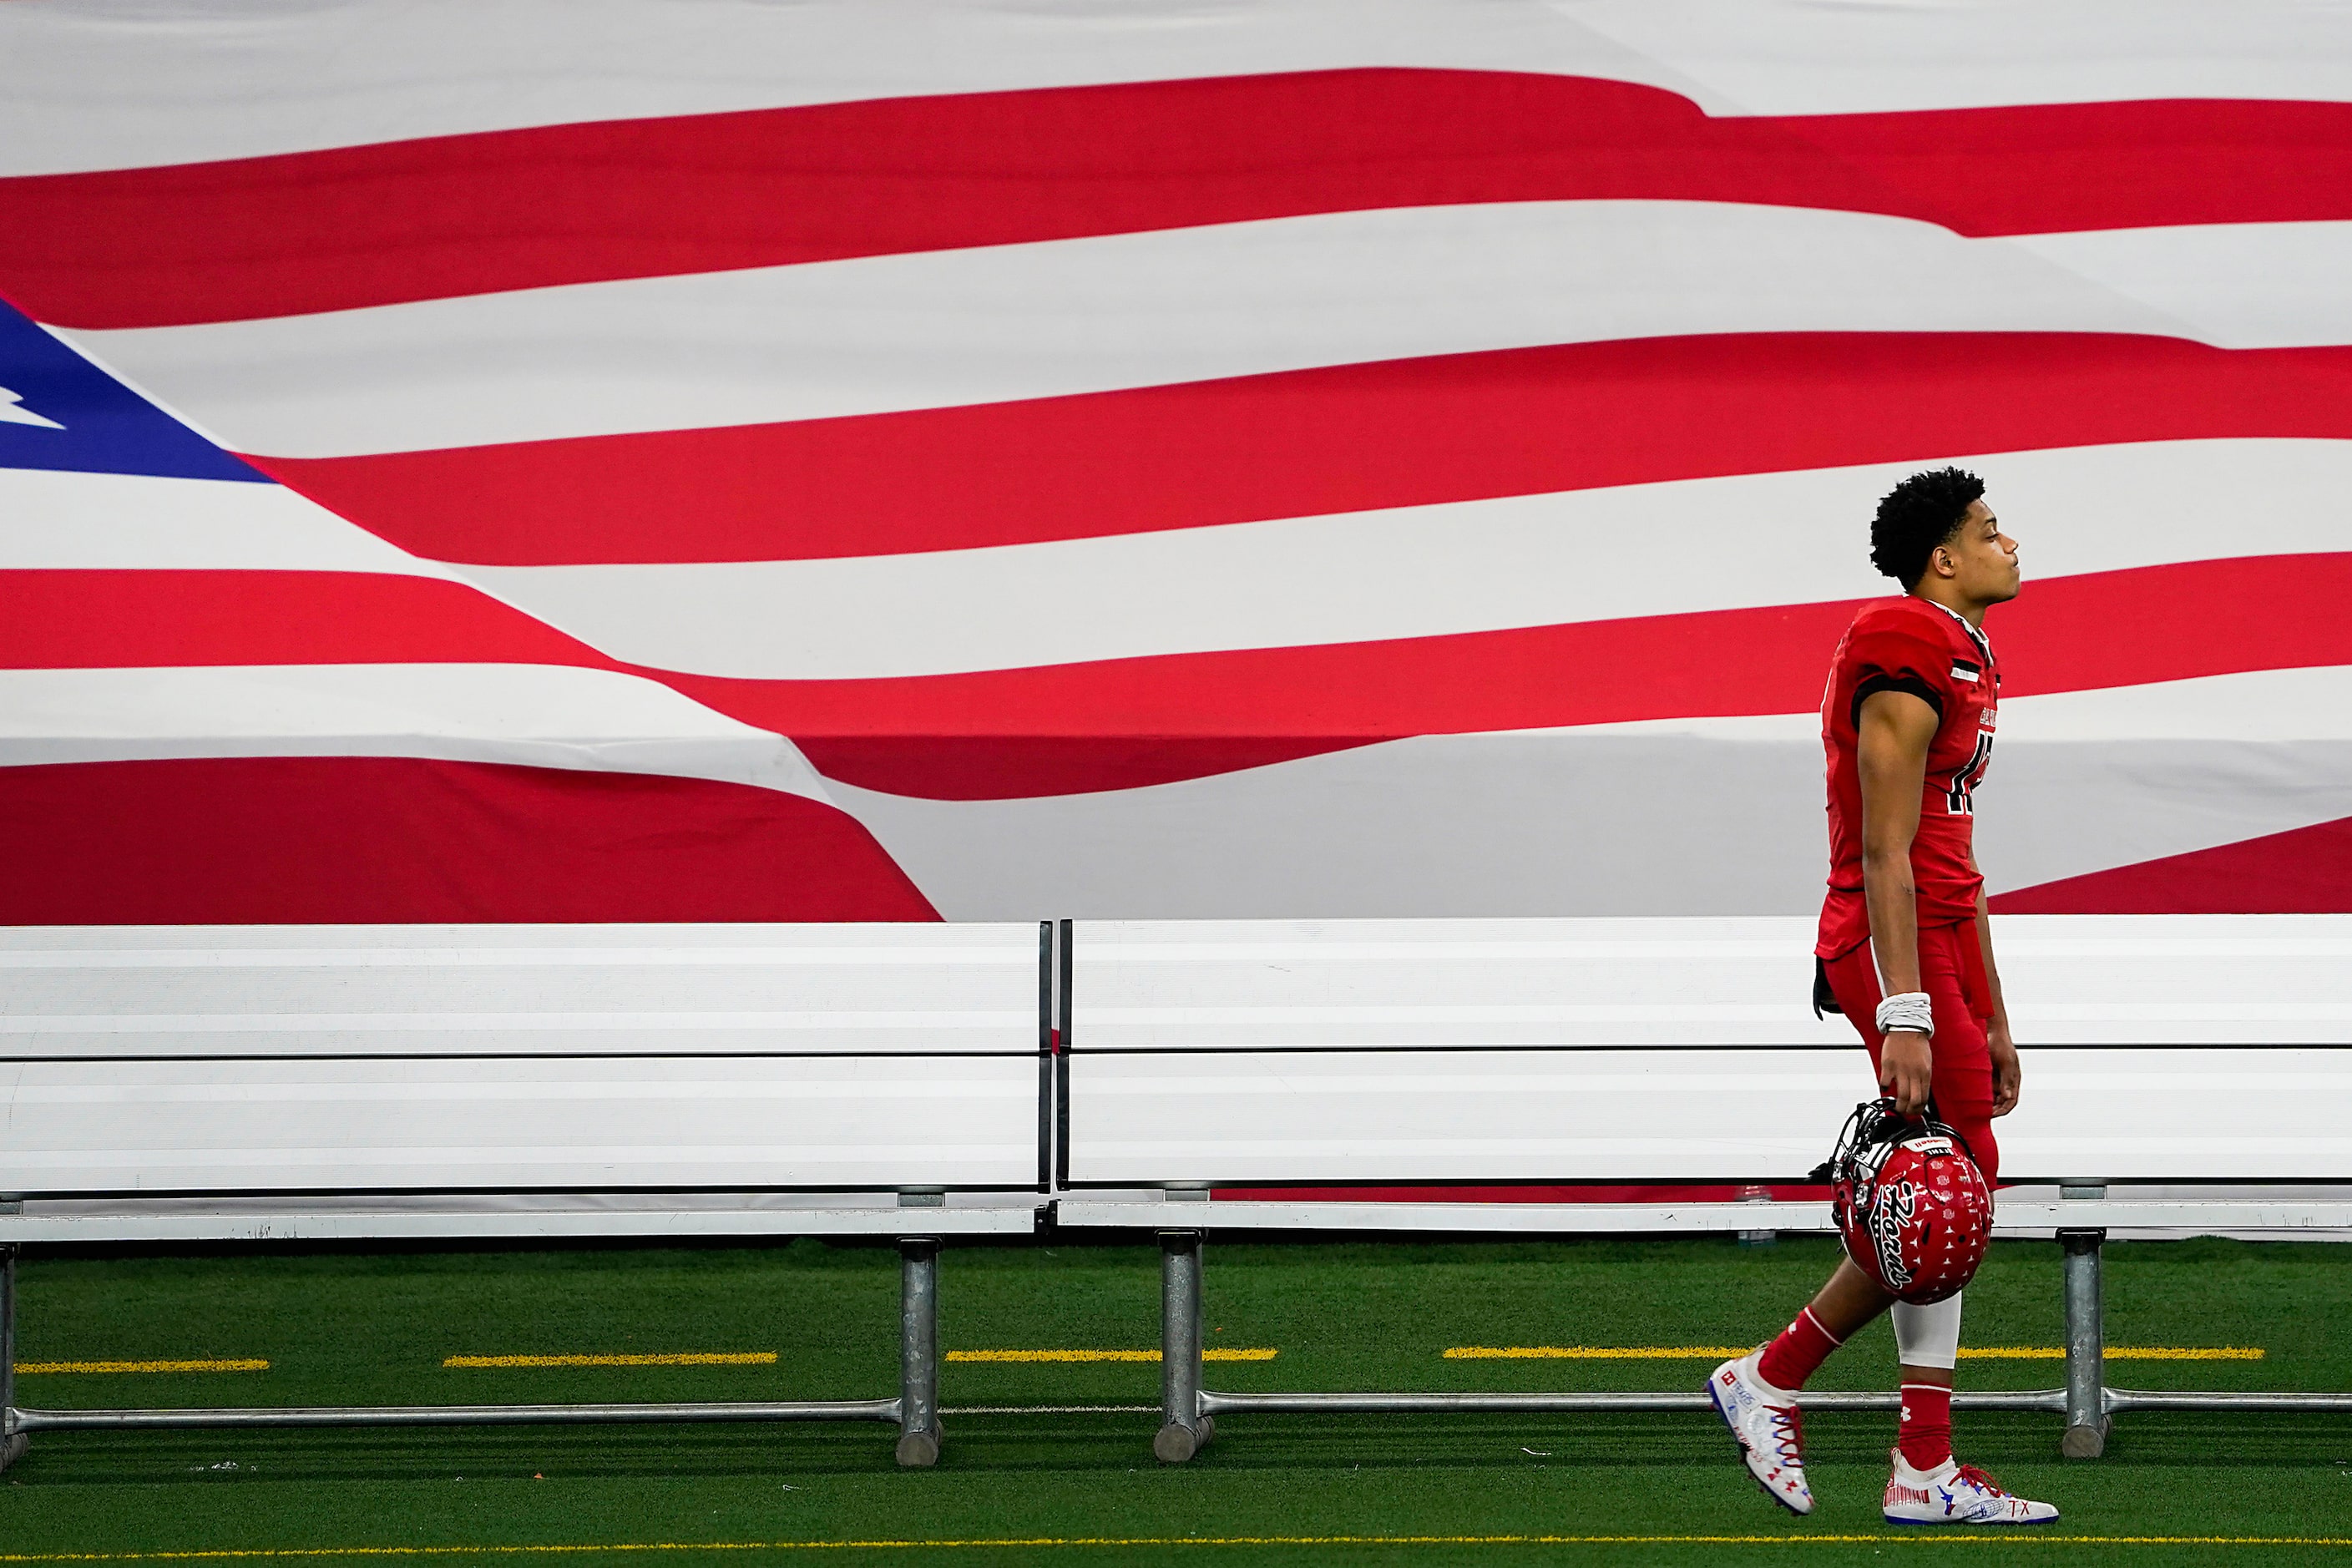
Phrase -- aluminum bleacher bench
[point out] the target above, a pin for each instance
(172, 1085)
(2162, 1054)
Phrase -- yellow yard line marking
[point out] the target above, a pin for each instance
(1910, 1538)
(37, 1368)
(1216, 1354)
(1593, 1353)
(671, 1358)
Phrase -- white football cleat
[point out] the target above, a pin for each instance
(1957, 1494)
(1769, 1428)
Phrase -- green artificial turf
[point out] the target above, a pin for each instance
(349, 1328)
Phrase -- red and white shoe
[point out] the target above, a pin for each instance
(1957, 1494)
(1770, 1430)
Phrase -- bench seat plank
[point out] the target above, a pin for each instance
(293, 1225)
(591, 1123)
(207, 991)
(2238, 1114)
(1717, 981)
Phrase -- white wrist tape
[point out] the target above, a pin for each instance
(1907, 1010)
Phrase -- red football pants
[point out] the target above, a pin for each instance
(1951, 971)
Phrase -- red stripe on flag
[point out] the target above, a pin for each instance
(2304, 872)
(959, 736)
(1121, 723)
(1349, 438)
(339, 840)
(344, 227)
(65, 619)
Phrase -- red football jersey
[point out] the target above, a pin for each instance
(1915, 646)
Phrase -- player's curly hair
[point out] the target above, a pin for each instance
(1914, 517)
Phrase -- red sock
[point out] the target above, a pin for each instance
(1797, 1354)
(1925, 1434)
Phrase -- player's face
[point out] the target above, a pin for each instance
(1983, 558)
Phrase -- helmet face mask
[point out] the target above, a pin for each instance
(1910, 1204)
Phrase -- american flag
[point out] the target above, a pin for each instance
(610, 460)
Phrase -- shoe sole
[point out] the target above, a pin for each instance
(1969, 1523)
(1741, 1449)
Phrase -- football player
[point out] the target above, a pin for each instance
(1905, 953)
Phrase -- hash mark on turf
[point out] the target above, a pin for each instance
(1218, 1354)
(672, 1358)
(1595, 1353)
(39, 1368)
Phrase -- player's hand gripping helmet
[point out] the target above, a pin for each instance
(1909, 1202)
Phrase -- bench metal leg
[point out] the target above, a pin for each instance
(2086, 1436)
(1184, 1429)
(1204, 1426)
(918, 1351)
(13, 1442)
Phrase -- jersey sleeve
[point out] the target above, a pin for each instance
(1899, 659)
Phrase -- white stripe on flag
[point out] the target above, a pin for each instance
(1570, 822)
(81, 87)
(65, 519)
(548, 716)
(1601, 554)
(941, 329)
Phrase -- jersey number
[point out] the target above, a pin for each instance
(1960, 796)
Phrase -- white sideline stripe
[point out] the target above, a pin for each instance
(1668, 548)
(882, 334)
(1560, 823)
(55, 518)
(83, 86)
(535, 715)
(504, 1023)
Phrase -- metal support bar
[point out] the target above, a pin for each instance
(1065, 971)
(2051, 1399)
(1045, 1041)
(2168, 1399)
(455, 1415)
(1204, 1426)
(12, 1441)
(1183, 1430)
(916, 1410)
(918, 1405)
(2086, 1436)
